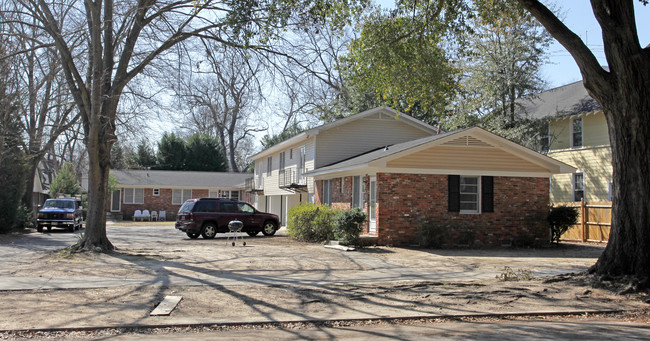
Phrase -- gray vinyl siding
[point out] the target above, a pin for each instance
(361, 136)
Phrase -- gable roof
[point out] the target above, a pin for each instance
(179, 179)
(567, 100)
(316, 130)
(380, 157)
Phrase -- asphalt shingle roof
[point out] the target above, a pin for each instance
(165, 178)
(570, 99)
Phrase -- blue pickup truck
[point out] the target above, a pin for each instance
(62, 212)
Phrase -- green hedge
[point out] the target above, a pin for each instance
(310, 222)
(348, 226)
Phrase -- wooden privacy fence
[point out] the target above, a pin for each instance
(594, 221)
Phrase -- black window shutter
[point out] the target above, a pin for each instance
(454, 193)
(487, 194)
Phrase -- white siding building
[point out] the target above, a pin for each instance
(279, 182)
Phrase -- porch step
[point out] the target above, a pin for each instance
(368, 239)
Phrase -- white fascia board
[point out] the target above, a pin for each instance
(554, 166)
(180, 187)
(465, 172)
(284, 144)
(337, 171)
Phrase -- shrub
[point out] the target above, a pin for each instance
(65, 182)
(347, 226)
(432, 234)
(560, 218)
(310, 222)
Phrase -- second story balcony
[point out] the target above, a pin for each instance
(292, 178)
(254, 186)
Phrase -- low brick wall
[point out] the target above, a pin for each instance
(408, 200)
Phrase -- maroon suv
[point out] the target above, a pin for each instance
(209, 216)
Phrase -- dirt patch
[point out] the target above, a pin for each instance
(220, 304)
(279, 279)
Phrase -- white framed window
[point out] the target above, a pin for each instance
(327, 192)
(228, 194)
(576, 132)
(156, 192)
(303, 159)
(469, 194)
(179, 196)
(269, 165)
(357, 199)
(578, 186)
(134, 195)
(282, 162)
(213, 194)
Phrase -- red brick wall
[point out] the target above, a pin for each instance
(162, 202)
(341, 200)
(407, 200)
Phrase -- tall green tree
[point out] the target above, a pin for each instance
(623, 91)
(204, 153)
(12, 158)
(144, 155)
(65, 182)
(172, 152)
(502, 61)
(401, 57)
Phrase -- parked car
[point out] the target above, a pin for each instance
(209, 216)
(61, 212)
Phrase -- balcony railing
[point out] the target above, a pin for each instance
(254, 186)
(291, 179)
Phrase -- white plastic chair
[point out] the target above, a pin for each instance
(145, 214)
(154, 215)
(162, 216)
(137, 215)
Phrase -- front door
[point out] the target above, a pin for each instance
(115, 200)
(372, 206)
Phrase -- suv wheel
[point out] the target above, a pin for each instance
(209, 231)
(253, 234)
(39, 228)
(193, 235)
(269, 228)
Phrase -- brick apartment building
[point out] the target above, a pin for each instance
(166, 191)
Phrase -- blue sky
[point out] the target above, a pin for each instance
(561, 68)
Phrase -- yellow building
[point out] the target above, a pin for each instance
(577, 135)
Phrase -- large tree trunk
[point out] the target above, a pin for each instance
(28, 197)
(628, 118)
(99, 147)
(623, 91)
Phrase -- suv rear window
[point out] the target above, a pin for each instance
(187, 207)
(205, 206)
